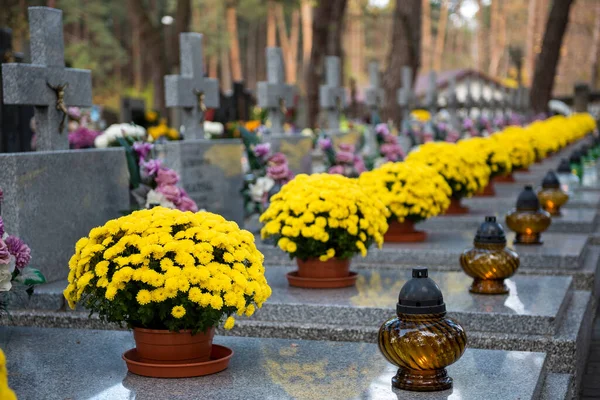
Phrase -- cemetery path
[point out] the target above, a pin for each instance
(591, 380)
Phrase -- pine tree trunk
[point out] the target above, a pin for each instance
(326, 40)
(547, 62)
(595, 53)
(226, 84)
(307, 17)
(251, 54)
(271, 24)
(234, 44)
(499, 38)
(481, 34)
(294, 45)
(405, 51)
(183, 17)
(530, 40)
(441, 37)
(426, 45)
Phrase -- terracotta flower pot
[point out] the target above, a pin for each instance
(505, 178)
(456, 208)
(487, 191)
(316, 274)
(403, 232)
(163, 346)
(522, 170)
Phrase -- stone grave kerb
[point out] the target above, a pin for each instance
(45, 83)
(190, 91)
(274, 94)
(332, 96)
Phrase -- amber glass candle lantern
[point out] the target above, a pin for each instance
(552, 197)
(489, 262)
(527, 219)
(421, 341)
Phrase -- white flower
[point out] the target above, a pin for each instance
(115, 131)
(213, 128)
(6, 271)
(262, 186)
(155, 197)
(307, 132)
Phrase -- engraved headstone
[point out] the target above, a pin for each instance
(332, 96)
(275, 95)
(46, 83)
(211, 173)
(191, 91)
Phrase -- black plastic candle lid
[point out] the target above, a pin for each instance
(528, 200)
(490, 232)
(420, 295)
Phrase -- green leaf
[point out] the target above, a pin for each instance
(132, 164)
(30, 276)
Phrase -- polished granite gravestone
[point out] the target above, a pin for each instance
(297, 149)
(506, 199)
(52, 199)
(211, 173)
(59, 364)
(571, 220)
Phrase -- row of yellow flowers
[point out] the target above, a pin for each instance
(325, 216)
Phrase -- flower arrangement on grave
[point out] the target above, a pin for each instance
(268, 173)
(421, 115)
(412, 192)
(323, 220)
(388, 147)
(152, 184)
(5, 390)
(496, 156)
(344, 160)
(111, 136)
(163, 270)
(466, 172)
(514, 139)
(16, 276)
(82, 132)
(162, 132)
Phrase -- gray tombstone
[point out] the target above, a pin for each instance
(452, 103)
(582, 97)
(297, 149)
(405, 94)
(191, 91)
(275, 95)
(375, 95)
(211, 173)
(52, 199)
(469, 99)
(332, 96)
(431, 98)
(46, 83)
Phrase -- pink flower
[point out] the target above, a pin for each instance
(186, 204)
(382, 129)
(4, 253)
(262, 150)
(347, 147)
(166, 176)
(336, 169)
(344, 157)
(19, 250)
(359, 165)
(171, 193)
(142, 149)
(325, 144)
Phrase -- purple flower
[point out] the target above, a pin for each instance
(166, 176)
(336, 169)
(4, 253)
(278, 168)
(347, 147)
(74, 112)
(344, 157)
(19, 250)
(1, 195)
(151, 167)
(359, 165)
(325, 144)
(382, 129)
(82, 138)
(262, 150)
(142, 149)
(1, 227)
(186, 204)
(468, 124)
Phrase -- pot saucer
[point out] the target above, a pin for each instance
(321, 283)
(219, 360)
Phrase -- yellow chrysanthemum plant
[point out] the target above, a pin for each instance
(170, 270)
(324, 217)
(412, 191)
(515, 140)
(5, 391)
(466, 171)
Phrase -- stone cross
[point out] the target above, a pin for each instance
(190, 90)
(45, 83)
(332, 96)
(405, 94)
(275, 95)
(452, 103)
(469, 99)
(431, 97)
(375, 94)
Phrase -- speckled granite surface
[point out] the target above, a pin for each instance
(60, 364)
(506, 198)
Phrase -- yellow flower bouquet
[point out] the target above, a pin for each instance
(466, 171)
(5, 391)
(515, 140)
(412, 192)
(324, 219)
(166, 269)
(496, 156)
